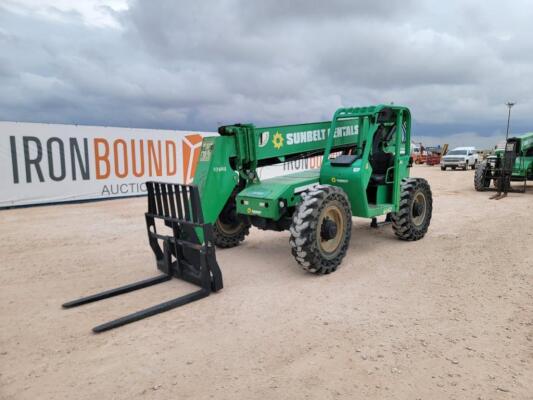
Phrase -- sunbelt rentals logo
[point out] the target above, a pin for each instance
(277, 140)
(315, 135)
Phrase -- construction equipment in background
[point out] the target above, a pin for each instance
(433, 155)
(430, 155)
(512, 162)
(365, 173)
(418, 153)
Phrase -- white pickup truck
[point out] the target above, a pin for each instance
(460, 157)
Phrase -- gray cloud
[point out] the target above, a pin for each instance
(194, 65)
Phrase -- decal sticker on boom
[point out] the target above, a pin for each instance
(320, 134)
(277, 140)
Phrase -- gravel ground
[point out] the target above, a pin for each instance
(447, 317)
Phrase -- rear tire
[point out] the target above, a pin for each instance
(230, 229)
(321, 229)
(411, 222)
(482, 177)
(443, 168)
(227, 238)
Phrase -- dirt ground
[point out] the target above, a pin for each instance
(447, 317)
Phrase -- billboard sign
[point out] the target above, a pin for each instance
(47, 163)
(53, 163)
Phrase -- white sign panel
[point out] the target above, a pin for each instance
(50, 163)
(290, 167)
(46, 163)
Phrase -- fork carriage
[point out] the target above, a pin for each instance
(187, 254)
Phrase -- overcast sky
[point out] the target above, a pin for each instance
(193, 65)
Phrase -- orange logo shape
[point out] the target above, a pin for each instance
(192, 144)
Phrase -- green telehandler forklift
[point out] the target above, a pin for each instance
(364, 173)
(511, 163)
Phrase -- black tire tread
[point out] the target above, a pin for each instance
(225, 241)
(305, 225)
(479, 175)
(401, 221)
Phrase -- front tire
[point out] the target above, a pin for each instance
(321, 229)
(411, 222)
(443, 168)
(230, 229)
(482, 177)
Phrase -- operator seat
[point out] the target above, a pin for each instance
(380, 160)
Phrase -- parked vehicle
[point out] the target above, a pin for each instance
(433, 159)
(427, 155)
(434, 154)
(511, 161)
(460, 157)
(367, 175)
(418, 152)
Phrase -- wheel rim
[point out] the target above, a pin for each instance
(228, 228)
(331, 214)
(419, 209)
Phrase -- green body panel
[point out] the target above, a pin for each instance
(287, 140)
(263, 199)
(214, 175)
(369, 201)
(354, 181)
(230, 161)
(523, 166)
